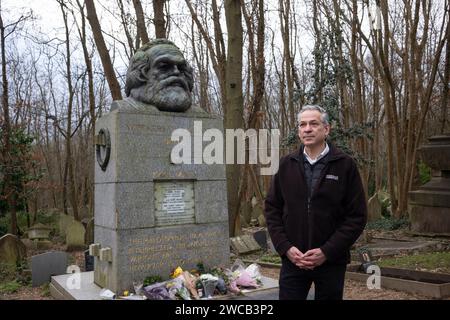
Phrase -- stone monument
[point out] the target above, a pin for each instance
(429, 206)
(152, 215)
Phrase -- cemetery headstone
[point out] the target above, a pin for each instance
(75, 236)
(261, 238)
(244, 244)
(64, 221)
(89, 235)
(374, 208)
(12, 250)
(46, 265)
(88, 261)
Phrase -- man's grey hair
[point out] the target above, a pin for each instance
(315, 107)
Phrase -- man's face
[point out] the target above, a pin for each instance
(168, 85)
(311, 130)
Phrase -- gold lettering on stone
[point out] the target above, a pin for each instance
(159, 251)
(142, 128)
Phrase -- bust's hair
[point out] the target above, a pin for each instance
(139, 64)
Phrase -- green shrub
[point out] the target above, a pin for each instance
(7, 272)
(47, 218)
(10, 287)
(270, 258)
(385, 201)
(388, 223)
(45, 290)
(3, 229)
(424, 172)
(5, 222)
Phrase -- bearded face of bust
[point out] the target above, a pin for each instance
(160, 76)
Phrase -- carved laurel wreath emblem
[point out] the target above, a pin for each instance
(103, 142)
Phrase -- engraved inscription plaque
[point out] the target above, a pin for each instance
(174, 202)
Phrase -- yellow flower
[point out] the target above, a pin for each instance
(126, 293)
(177, 272)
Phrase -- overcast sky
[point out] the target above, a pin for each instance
(49, 19)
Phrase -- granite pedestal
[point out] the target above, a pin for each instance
(152, 215)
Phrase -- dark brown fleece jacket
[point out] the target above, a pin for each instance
(337, 211)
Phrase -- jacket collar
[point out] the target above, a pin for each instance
(334, 153)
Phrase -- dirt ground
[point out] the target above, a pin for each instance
(27, 293)
(42, 293)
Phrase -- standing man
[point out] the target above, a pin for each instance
(315, 210)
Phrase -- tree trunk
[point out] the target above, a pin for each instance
(446, 87)
(140, 19)
(159, 21)
(358, 103)
(285, 8)
(7, 182)
(90, 74)
(234, 106)
(69, 162)
(317, 55)
(125, 20)
(216, 49)
(202, 60)
(114, 86)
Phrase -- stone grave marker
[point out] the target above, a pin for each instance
(238, 245)
(250, 242)
(64, 221)
(46, 265)
(89, 235)
(261, 238)
(12, 250)
(88, 261)
(75, 236)
(374, 208)
(244, 244)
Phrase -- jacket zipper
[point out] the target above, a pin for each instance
(308, 206)
(309, 217)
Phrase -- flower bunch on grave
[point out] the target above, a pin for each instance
(204, 284)
(176, 272)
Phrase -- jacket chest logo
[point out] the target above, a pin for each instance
(332, 177)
